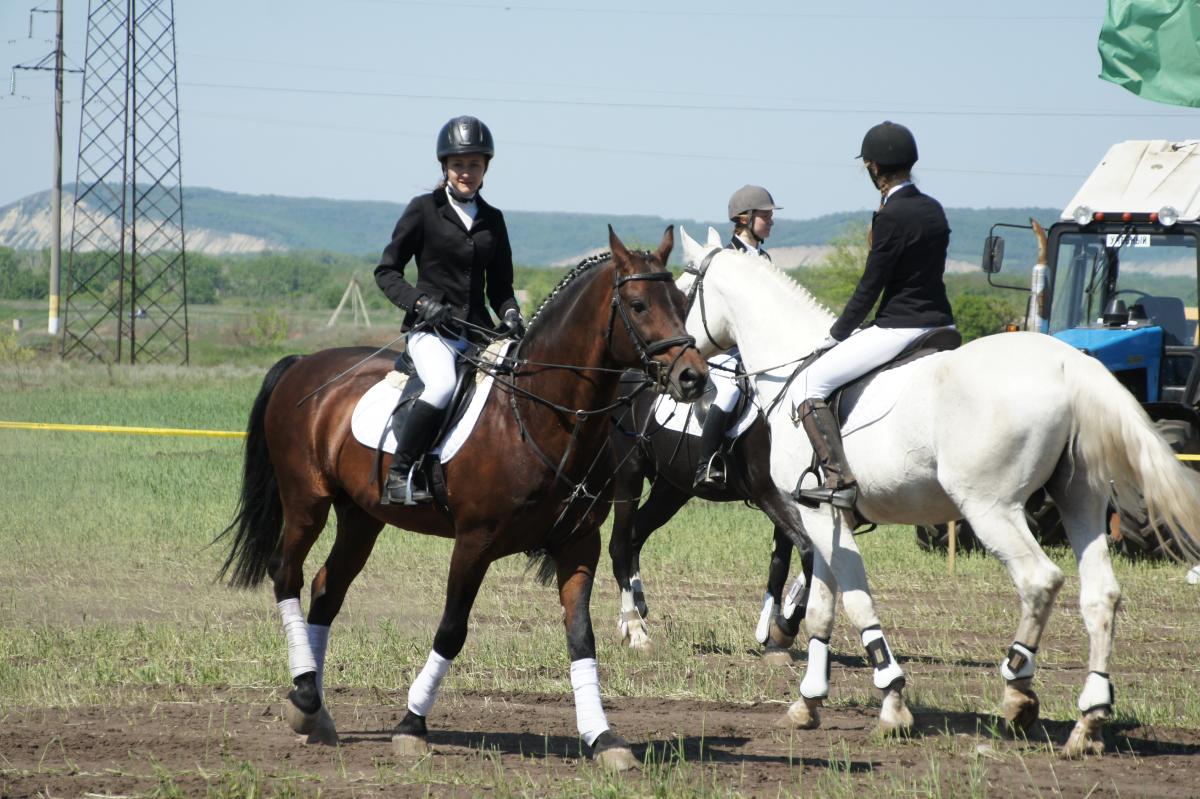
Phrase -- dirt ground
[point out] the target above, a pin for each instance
(235, 743)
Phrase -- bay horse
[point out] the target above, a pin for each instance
(969, 433)
(647, 450)
(533, 477)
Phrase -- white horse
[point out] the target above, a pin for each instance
(970, 433)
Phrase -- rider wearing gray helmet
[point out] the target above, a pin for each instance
(752, 212)
(463, 256)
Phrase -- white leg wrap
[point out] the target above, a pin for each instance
(300, 657)
(589, 713)
(424, 690)
(1019, 663)
(1097, 692)
(793, 596)
(763, 630)
(318, 643)
(815, 684)
(887, 670)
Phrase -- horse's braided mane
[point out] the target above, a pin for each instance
(567, 279)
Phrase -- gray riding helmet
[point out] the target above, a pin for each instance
(751, 198)
(465, 135)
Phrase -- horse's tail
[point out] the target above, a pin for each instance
(1113, 432)
(259, 518)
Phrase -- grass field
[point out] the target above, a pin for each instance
(113, 629)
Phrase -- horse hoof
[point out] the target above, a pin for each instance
(895, 719)
(1085, 738)
(773, 656)
(779, 638)
(325, 732)
(900, 725)
(410, 745)
(1021, 706)
(612, 753)
(804, 714)
(301, 723)
(618, 758)
(635, 636)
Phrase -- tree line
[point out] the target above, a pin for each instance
(312, 280)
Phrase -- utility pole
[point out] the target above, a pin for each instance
(56, 187)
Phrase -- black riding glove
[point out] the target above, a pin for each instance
(433, 312)
(513, 325)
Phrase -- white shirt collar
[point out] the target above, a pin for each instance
(466, 211)
(751, 247)
(895, 189)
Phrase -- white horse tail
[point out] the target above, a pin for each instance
(1116, 440)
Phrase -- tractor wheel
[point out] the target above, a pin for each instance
(1044, 520)
(936, 537)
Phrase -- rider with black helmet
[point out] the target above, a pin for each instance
(462, 251)
(906, 262)
(752, 212)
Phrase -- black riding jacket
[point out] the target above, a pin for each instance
(907, 261)
(455, 265)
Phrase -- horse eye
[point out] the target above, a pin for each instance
(638, 305)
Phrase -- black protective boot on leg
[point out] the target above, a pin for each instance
(710, 471)
(412, 442)
(840, 489)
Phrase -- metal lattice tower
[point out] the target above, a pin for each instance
(126, 293)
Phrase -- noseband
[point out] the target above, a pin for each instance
(658, 372)
(696, 292)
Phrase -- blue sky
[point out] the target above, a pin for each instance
(656, 107)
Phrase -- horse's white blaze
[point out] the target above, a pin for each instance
(972, 434)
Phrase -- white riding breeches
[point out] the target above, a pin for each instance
(852, 358)
(434, 358)
(724, 378)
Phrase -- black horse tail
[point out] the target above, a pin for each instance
(259, 518)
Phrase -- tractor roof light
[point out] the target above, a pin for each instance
(1167, 216)
(1082, 215)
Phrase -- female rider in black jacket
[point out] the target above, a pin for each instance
(906, 263)
(462, 252)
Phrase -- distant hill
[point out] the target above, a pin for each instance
(220, 222)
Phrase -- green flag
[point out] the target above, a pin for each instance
(1152, 48)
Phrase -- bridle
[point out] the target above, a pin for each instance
(696, 291)
(658, 372)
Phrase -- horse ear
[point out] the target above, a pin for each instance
(689, 245)
(714, 238)
(666, 245)
(614, 244)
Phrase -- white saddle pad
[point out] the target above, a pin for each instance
(373, 413)
(675, 416)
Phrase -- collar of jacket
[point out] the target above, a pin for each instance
(910, 190)
(442, 202)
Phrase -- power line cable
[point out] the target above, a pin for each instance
(1042, 113)
(540, 146)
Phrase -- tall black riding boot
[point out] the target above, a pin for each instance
(413, 439)
(840, 489)
(710, 471)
